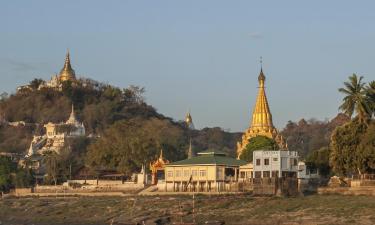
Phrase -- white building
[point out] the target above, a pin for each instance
(275, 164)
(304, 172)
(55, 137)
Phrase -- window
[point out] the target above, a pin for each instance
(258, 174)
(258, 162)
(178, 173)
(266, 162)
(266, 173)
(186, 173)
(284, 163)
(293, 162)
(170, 173)
(219, 174)
(275, 173)
(242, 174)
(275, 159)
(194, 173)
(202, 173)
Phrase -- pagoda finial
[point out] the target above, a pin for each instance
(190, 151)
(67, 58)
(72, 118)
(261, 77)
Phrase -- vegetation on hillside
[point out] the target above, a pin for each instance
(311, 135)
(108, 112)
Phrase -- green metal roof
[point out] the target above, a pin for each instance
(210, 158)
(212, 152)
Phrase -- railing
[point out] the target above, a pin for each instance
(363, 177)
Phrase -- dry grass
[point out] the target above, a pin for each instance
(233, 209)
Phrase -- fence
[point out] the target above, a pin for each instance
(287, 186)
(363, 177)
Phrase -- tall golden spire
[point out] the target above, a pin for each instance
(67, 72)
(262, 117)
(261, 123)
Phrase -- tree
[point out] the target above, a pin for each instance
(24, 178)
(319, 160)
(355, 101)
(370, 95)
(50, 160)
(34, 84)
(345, 159)
(257, 143)
(4, 96)
(129, 144)
(366, 150)
(6, 170)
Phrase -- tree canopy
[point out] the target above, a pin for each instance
(352, 150)
(129, 144)
(319, 160)
(355, 100)
(257, 143)
(352, 145)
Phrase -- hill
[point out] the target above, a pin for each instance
(97, 105)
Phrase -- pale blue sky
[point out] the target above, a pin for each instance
(197, 55)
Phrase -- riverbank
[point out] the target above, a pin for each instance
(231, 209)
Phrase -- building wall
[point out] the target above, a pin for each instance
(198, 173)
(274, 163)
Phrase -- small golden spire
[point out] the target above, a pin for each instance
(188, 118)
(189, 121)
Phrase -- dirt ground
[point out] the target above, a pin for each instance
(228, 209)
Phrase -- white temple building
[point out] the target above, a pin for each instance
(56, 134)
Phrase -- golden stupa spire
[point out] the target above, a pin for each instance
(67, 72)
(262, 117)
(261, 123)
(189, 121)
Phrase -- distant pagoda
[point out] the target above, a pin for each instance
(67, 73)
(261, 123)
(189, 121)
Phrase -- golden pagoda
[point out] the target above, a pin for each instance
(261, 123)
(189, 121)
(67, 73)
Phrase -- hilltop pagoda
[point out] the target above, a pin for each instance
(261, 123)
(67, 73)
(189, 121)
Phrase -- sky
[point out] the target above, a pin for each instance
(201, 56)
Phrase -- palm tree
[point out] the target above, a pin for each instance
(355, 101)
(370, 94)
